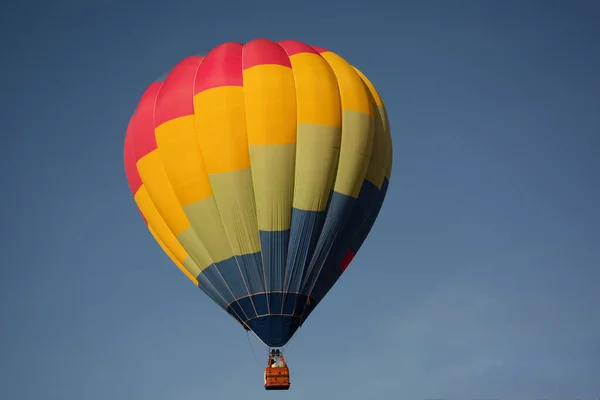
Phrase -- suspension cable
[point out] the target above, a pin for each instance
(252, 349)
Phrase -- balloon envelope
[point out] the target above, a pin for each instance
(260, 169)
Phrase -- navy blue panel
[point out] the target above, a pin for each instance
(248, 304)
(275, 330)
(289, 303)
(210, 277)
(247, 307)
(366, 207)
(330, 273)
(358, 226)
(338, 213)
(254, 275)
(371, 217)
(304, 233)
(236, 310)
(275, 303)
(227, 278)
(260, 303)
(274, 253)
(254, 306)
(212, 292)
(300, 305)
(235, 277)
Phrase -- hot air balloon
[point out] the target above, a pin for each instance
(260, 170)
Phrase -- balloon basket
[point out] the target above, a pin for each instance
(277, 378)
(277, 373)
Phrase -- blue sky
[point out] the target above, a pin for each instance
(479, 280)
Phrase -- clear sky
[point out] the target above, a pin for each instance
(480, 278)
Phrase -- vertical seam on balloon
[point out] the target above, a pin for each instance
(221, 218)
(287, 280)
(262, 261)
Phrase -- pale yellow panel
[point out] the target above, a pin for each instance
(182, 159)
(381, 159)
(235, 199)
(195, 248)
(353, 92)
(270, 98)
(161, 192)
(273, 169)
(379, 156)
(386, 152)
(155, 220)
(317, 155)
(206, 221)
(317, 93)
(358, 130)
(173, 258)
(220, 121)
(191, 265)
